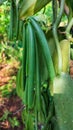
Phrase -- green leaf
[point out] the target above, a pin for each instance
(63, 101)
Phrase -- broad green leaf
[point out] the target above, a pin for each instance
(63, 101)
(30, 7)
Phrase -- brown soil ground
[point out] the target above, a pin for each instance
(15, 106)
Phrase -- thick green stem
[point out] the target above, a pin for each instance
(55, 26)
(17, 21)
(54, 7)
(68, 29)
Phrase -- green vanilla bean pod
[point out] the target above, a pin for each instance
(44, 46)
(31, 65)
